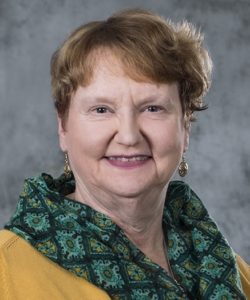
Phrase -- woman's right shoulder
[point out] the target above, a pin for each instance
(9, 241)
(7, 238)
(25, 272)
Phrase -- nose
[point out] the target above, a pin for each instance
(128, 130)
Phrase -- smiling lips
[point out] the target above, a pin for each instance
(128, 161)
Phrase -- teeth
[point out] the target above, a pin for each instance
(125, 159)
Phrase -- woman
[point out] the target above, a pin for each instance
(125, 90)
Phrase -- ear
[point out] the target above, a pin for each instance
(62, 133)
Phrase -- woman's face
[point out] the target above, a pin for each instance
(123, 137)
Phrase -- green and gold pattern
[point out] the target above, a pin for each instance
(91, 246)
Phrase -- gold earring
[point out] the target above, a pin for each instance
(67, 169)
(183, 167)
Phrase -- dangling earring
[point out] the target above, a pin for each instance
(67, 169)
(183, 167)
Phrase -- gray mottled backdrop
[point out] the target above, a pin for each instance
(218, 157)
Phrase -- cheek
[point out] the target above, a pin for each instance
(166, 138)
(88, 139)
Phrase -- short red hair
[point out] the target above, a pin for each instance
(149, 48)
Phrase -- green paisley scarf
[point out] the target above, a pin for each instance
(91, 246)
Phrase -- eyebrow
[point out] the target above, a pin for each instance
(145, 100)
(156, 98)
(96, 100)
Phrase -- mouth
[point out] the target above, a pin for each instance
(128, 161)
(126, 158)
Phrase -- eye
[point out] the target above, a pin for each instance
(154, 108)
(100, 110)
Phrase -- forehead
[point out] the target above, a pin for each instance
(108, 71)
(106, 61)
(111, 79)
(107, 65)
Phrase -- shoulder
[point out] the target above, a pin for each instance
(13, 246)
(244, 270)
(6, 239)
(24, 272)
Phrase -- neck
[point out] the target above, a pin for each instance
(143, 228)
(139, 217)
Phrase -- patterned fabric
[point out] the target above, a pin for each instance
(91, 246)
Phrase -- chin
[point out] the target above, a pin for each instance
(129, 190)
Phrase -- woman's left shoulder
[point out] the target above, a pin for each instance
(244, 270)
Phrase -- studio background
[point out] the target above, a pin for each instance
(219, 152)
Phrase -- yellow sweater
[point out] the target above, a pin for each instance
(26, 274)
